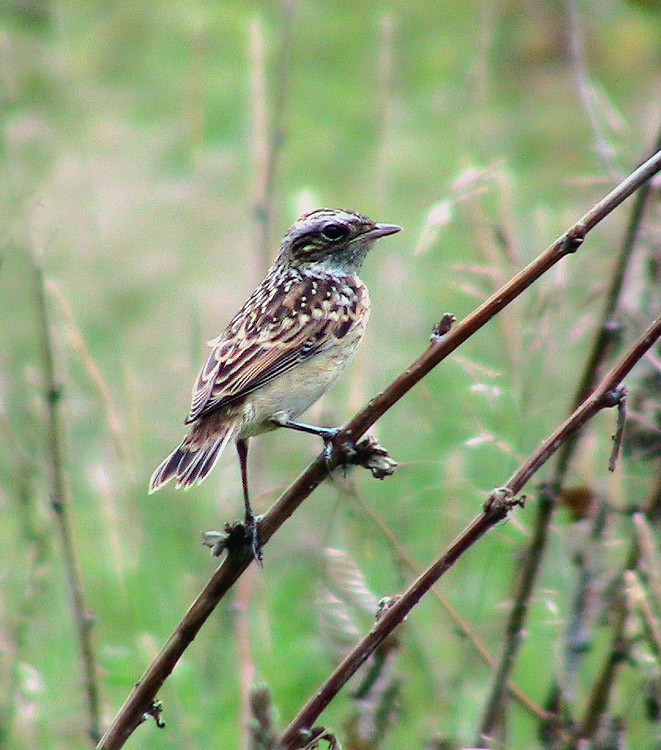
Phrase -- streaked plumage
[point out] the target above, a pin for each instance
(285, 346)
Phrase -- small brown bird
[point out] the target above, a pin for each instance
(282, 350)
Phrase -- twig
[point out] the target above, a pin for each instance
(534, 554)
(499, 504)
(607, 326)
(619, 432)
(60, 501)
(130, 715)
(518, 613)
(79, 345)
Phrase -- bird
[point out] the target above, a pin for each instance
(282, 350)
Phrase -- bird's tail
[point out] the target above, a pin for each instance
(191, 461)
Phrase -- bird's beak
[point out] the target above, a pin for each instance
(381, 230)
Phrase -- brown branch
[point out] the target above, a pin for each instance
(499, 504)
(143, 694)
(60, 501)
(607, 326)
(514, 628)
(533, 557)
(460, 622)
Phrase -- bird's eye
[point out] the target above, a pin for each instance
(334, 232)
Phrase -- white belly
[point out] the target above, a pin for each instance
(291, 394)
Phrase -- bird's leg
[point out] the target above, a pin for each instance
(347, 451)
(327, 434)
(367, 452)
(250, 521)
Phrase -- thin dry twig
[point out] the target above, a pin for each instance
(546, 505)
(619, 432)
(131, 713)
(638, 600)
(649, 563)
(600, 692)
(60, 501)
(587, 94)
(268, 137)
(497, 507)
(93, 370)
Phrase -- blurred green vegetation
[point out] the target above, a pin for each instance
(128, 170)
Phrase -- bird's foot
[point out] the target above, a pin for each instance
(328, 434)
(251, 525)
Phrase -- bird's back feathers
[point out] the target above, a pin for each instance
(290, 318)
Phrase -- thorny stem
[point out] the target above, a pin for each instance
(59, 500)
(499, 504)
(533, 557)
(131, 713)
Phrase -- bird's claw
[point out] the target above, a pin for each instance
(328, 436)
(251, 524)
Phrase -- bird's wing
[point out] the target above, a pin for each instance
(278, 328)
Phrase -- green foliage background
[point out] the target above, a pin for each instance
(128, 170)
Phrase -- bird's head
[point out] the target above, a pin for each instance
(332, 239)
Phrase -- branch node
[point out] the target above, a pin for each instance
(615, 396)
(56, 503)
(370, 454)
(155, 710)
(233, 537)
(501, 501)
(384, 604)
(573, 239)
(613, 328)
(54, 394)
(442, 327)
